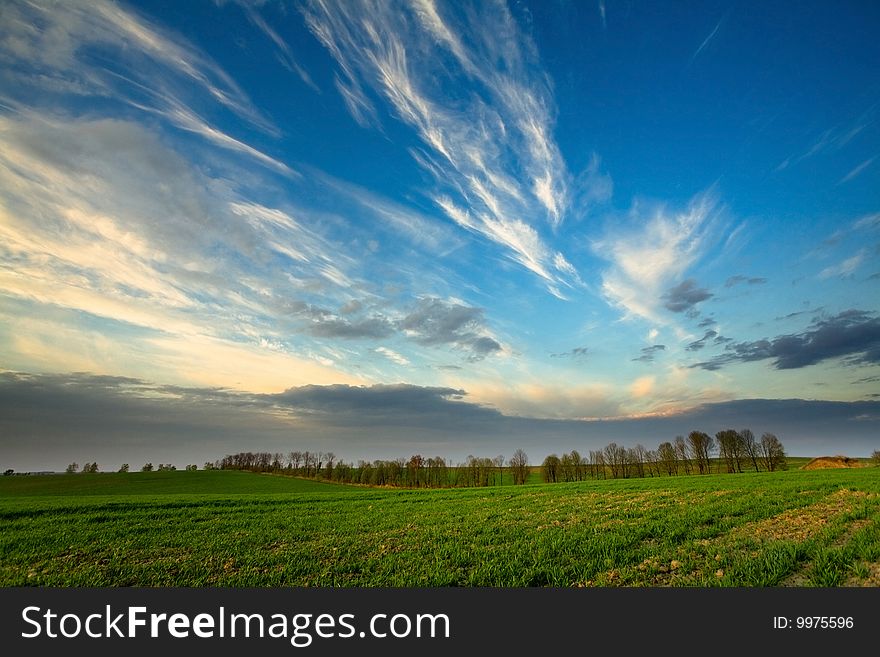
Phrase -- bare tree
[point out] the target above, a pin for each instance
(772, 452)
(499, 463)
(750, 446)
(615, 458)
(147, 467)
(566, 467)
(653, 462)
(597, 463)
(638, 457)
(550, 469)
(668, 458)
(730, 449)
(875, 456)
(414, 468)
(73, 467)
(519, 467)
(123, 467)
(681, 450)
(579, 464)
(701, 445)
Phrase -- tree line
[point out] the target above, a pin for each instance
(736, 451)
(415, 472)
(91, 468)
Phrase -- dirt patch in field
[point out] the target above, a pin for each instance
(801, 524)
(873, 578)
(831, 462)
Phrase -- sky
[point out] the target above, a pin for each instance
(448, 228)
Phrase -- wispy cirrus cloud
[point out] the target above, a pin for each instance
(845, 268)
(285, 52)
(857, 170)
(490, 148)
(709, 38)
(64, 48)
(835, 139)
(393, 356)
(102, 219)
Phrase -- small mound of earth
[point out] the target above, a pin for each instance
(823, 462)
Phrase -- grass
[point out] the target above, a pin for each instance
(801, 528)
(158, 483)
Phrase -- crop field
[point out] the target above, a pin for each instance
(794, 528)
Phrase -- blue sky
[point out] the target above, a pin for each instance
(568, 217)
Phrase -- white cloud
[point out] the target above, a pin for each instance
(642, 387)
(186, 119)
(845, 268)
(152, 71)
(392, 355)
(285, 54)
(490, 149)
(707, 40)
(857, 170)
(652, 254)
(100, 217)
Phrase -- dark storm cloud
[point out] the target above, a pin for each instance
(58, 418)
(648, 353)
(47, 421)
(685, 296)
(736, 280)
(853, 334)
(395, 403)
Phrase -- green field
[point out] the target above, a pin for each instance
(219, 528)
